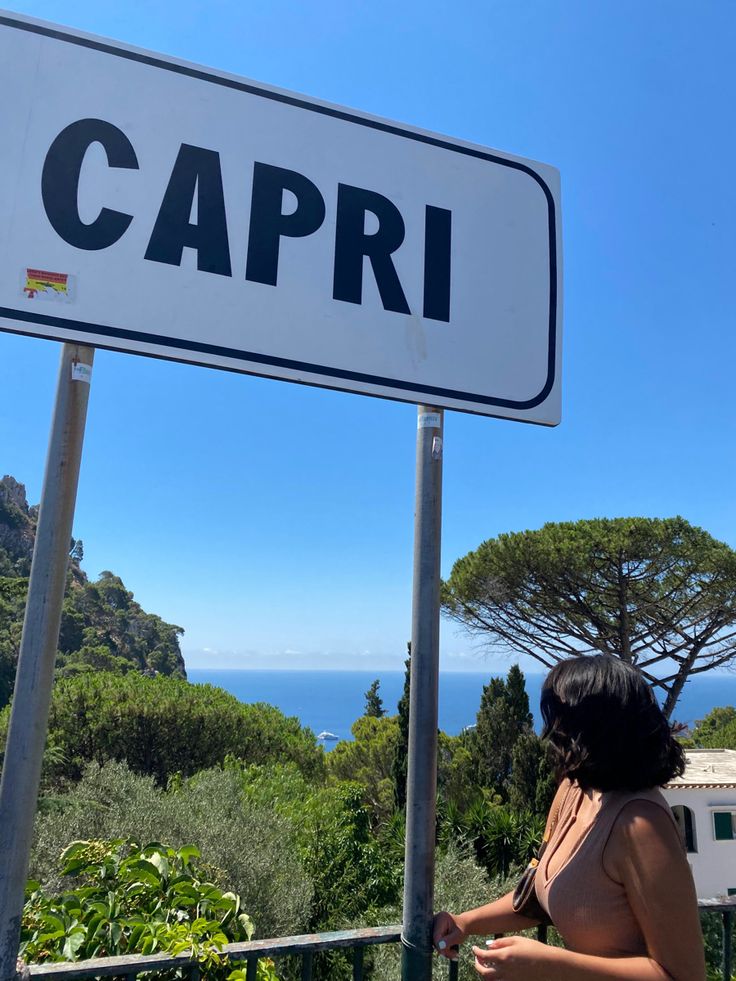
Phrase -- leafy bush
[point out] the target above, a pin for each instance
(161, 726)
(249, 848)
(133, 900)
(350, 870)
(712, 925)
(502, 839)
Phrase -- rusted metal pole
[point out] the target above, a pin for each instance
(34, 678)
(416, 963)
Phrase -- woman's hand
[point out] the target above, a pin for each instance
(447, 934)
(512, 959)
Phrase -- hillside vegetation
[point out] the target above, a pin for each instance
(103, 628)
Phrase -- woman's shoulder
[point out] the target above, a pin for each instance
(643, 832)
(628, 806)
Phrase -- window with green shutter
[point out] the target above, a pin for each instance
(723, 824)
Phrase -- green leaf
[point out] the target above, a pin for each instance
(160, 862)
(247, 924)
(71, 851)
(188, 852)
(73, 942)
(135, 937)
(184, 888)
(75, 865)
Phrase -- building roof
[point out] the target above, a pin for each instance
(707, 768)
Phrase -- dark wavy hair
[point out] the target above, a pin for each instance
(604, 727)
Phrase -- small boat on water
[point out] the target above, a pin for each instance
(328, 736)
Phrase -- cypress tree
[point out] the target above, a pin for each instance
(401, 757)
(373, 701)
(503, 718)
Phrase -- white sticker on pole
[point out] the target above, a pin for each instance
(428, 420)
(81, 372)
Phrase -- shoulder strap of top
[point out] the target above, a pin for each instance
(616, 801)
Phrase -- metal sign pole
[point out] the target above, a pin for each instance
(422, 764)
(35, 674)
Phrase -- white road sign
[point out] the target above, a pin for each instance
(154, 206)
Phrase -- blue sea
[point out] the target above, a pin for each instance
(333, 700)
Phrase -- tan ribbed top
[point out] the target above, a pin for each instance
(594, 912)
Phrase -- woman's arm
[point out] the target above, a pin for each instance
(645, 854)
(496, 917)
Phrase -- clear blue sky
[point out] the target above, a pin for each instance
(274, 522)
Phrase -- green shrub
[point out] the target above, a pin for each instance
(133, 900)
(350, 871)
(502, 839)
(712, 924)
(161, 726)
(353, 874)
(251, 850)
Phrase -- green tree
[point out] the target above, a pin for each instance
(102, 626)
(658, 593)
(401, 756)
(717, 730)
(456, 778)
(501, 837)
(105, 614)
(531, 784)
(368, 759)
(373, 701)
(503, 717)
(162, 726)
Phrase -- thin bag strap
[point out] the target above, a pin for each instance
(553, 823)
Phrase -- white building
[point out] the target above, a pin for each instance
(703, 801)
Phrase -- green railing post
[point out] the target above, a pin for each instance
(358, 963)
(307, 960)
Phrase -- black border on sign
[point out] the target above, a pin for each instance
(61, 323)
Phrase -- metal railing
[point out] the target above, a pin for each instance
(305, 946)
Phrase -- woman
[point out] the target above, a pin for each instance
(614, 877)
